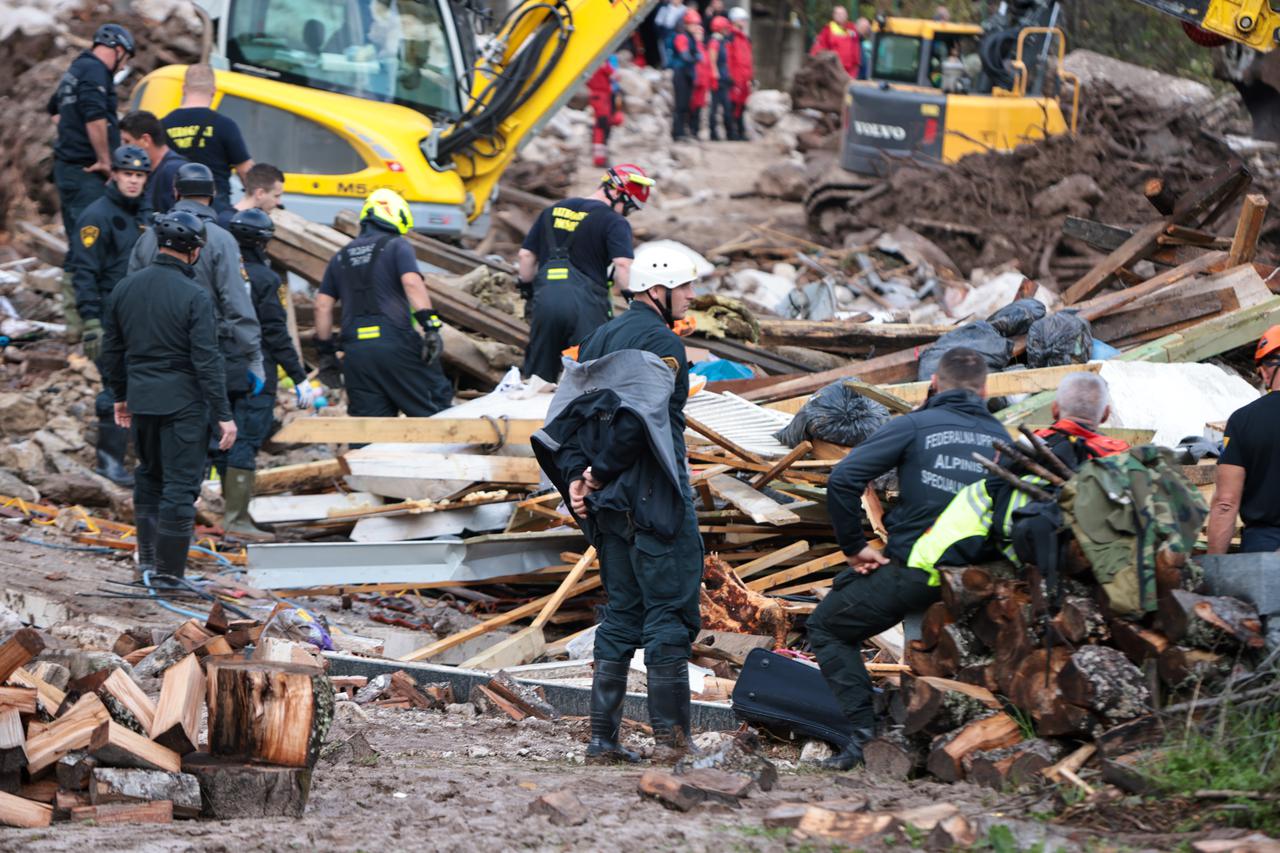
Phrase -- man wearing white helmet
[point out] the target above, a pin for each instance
(617, 454)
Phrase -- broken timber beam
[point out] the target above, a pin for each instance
(1244, 245)
(406, 430)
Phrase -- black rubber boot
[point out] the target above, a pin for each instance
(113, 444)
(669, 711)
(851, 756)
(147, 521)
(172, 545)
(608, 690)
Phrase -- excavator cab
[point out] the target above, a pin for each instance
(933, 95)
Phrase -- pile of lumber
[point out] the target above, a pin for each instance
(106, 749)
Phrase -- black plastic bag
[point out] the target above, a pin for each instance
(1015, 318)
(837, 414)
(1062, 338)
(979, 336)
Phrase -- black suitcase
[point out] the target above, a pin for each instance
(788, 696)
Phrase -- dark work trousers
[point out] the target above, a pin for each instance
(384, 376)
(652, 589)
(561, 316)
(721, 113)
(681, 118)
(77, 189)
(858, 608)
(253, 424)
(1256, 540)
(104, 406)
(171, 454)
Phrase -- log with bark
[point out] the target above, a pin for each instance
(1209, 622)
(1012, 766)
(727, 604)
(231, 790)
(946, 755)
(277, 713)
(892, 755)
(938, 705)
(1103, 680)
(1034, 689)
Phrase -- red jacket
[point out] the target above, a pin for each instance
(704, 78)
(1095, 444)
(741, 66)
(843, 43)
(600, 87)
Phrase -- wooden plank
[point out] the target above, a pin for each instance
(292, 478)
(285, 509)
(890, 401)
(1170, 312)
(1002, 384)
(761, 508)
(797, 453)
(312, 430)
(377, 461)
(768, 561)
(155, 811)
(1244, 244)
(831, 560)
(847, 337)
(729, 445)
(570, 581)
(893, 367)
(1110, 302)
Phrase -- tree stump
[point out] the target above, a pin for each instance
(276, 713)
(231, 790)
(1103, 680)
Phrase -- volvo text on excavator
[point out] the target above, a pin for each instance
(347, 96)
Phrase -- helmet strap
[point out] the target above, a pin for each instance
(614, 194)
(1269, 380)
(666, 309)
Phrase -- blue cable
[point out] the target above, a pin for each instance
(92, 549)
(181, 611)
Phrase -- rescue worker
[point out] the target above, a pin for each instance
(219, 270)
(145, 131)
(563, 266)
(741, 69)
(263, 190)
(161, 362)
(253, 229)
(98, 258)
(704, 79)
(931, 448)
(387, 367)
(962, 535)
(204, 136)
(614, 446)
(683, 59)
(841, 39)
(1248, 477)
(721, 114)
(83, 108)
(606, 105)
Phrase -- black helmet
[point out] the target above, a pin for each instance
(180, 231)
(114, 35)
(252, 227)
(194, 179)
(130, 158)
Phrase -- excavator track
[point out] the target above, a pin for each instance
(830, 201)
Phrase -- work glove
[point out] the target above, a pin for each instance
(526, 290)
(304, 395)
(256, 383)
(432, 343)
(330, 369)
(92, 339)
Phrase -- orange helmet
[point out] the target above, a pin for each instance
(1268, 344)
(720, 24)
(692, 17)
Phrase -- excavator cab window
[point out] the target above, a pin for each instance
(897, 58)
(401, 51)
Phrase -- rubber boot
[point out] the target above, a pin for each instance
(237, 491)
(608, 690)
(147, 522)
(669, 711)
(113, 444)
(70, 316)
(172, 544)
(851, 756)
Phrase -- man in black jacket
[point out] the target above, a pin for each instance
(932, 449)
(253, 229)
(161, 362)
(98, 257)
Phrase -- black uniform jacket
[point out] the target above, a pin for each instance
(100, 248)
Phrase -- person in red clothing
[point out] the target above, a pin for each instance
(607, 106)
(704, 78)
(742, 70)
(841, 39)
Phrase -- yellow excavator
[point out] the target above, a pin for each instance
(348, 96)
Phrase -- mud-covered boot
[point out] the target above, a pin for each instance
(851, 756)
(172, 544)
(608, 691)
(113, 444)
(146, 521)
(669, 711)
(237, 491)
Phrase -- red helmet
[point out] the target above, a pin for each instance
(720, 24)
(1268, 344)
(628, 181)
(692, 17)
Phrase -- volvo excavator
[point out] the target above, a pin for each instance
(348, 96)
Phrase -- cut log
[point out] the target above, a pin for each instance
(41, 790)
(670, 790)
(937, 617)
(1078, 621)
(74, 770)
(176, 724)
(1162, 198)
(192, 635)
(214, 646)
(231, 790)
(115, 785)
(125, 700)
(48, 696)
(15, 811)
(1181, 668)
(52, 744)
(529, 699)
(953, 833)
(161, 658)
(958, 647)
(892, 756)
(1135, 734)
(272, 712)
(938, 705)
(160, 811)
(1138, 644)
(21, 699)
(1012, 766)
(1034, 689)
(24, 645)
(789, 815)
(849, 827)
(217, 622)
(1209, 622)
(1103, 680)
(13, 752)
(115, 746)
(1014, 640)
(1126, 772)
(88, 706)
(921, 660)
(947, 754)
(965, 589)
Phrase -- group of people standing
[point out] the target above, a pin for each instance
(712, 65)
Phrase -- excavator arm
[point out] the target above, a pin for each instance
(527, 71)
(1252, 23)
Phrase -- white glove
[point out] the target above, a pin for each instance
(304, 395)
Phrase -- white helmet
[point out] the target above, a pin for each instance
(738, 15)
(660, 266)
